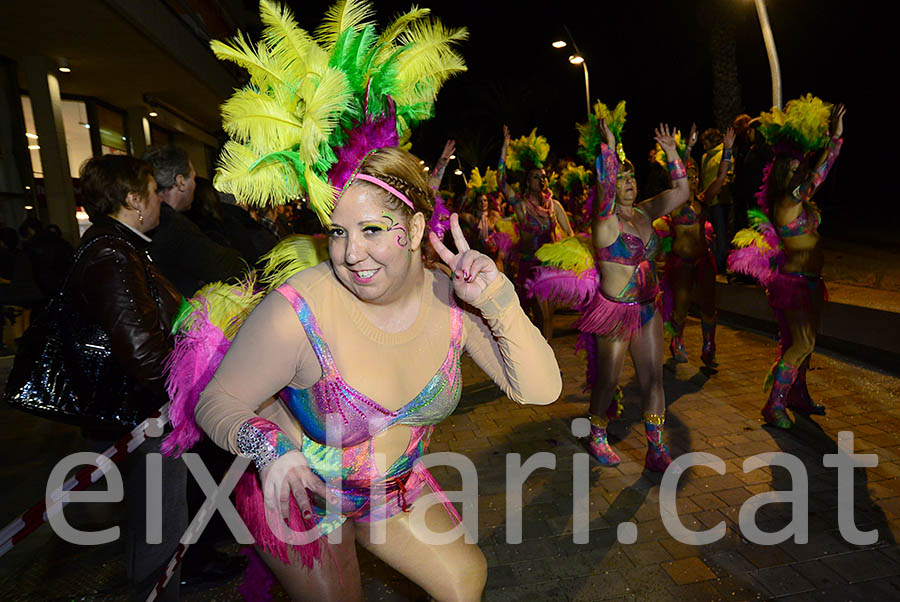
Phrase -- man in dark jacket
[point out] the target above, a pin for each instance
(185, 255)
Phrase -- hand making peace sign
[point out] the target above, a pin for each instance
(471, 271)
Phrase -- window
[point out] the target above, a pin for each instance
(112, 131)
(77, 130)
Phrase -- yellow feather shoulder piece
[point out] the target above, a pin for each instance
(748, 237)
(291, 255)
(226, 305)
(573, 253)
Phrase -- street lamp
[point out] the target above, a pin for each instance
(578, 59)
(774, 67)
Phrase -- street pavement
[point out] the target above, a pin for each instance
(714, 412)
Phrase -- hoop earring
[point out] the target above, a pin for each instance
(140, 216)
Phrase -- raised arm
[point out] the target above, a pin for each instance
(508, 191)
(562, 219)
(691, 142)
(716, 185)
(438, 173)
(668, 200)
(604, 223)
(502, 340)
(808, 187)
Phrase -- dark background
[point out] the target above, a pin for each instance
(655, 54)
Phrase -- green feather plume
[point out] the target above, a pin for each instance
(306, 92)
(589, 137)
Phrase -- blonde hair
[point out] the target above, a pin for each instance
(402, 170)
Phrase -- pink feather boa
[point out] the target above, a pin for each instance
(191, 365)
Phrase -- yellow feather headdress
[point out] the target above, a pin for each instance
(316, 104)
(528, 152)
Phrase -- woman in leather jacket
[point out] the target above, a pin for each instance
(116, 284)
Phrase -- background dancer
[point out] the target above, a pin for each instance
(538, 214)
(787, 233)
(690, 265)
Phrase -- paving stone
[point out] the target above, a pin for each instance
(688, 570)
(855, 567)
(783, 581)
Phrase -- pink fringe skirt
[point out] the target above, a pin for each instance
(796, 292)
(614, 319)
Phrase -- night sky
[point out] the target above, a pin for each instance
(655, 54)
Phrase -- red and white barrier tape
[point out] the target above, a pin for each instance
(191, 533)
(39, 513)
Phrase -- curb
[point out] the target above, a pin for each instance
(870, 335)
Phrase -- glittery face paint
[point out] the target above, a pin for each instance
(402, 239)
(369, 249)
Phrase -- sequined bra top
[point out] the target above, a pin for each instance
(685, 215)
(359, 417)
(806, 223)
(629, 249)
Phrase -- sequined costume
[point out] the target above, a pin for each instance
(782, 252)
(320, 374)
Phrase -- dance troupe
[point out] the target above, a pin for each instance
(331, 368)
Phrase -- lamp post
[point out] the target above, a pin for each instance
(578, 59)
(774, 67)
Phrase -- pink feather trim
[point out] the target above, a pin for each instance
(762, 195)
(502, 241)
(376, 133)
(440, 218)
(753, 262)
(258, 578)
(563, 287)
(248, 499)
(191, 365)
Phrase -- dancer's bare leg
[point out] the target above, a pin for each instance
(803, 326)
(335, 576)
(610, 360)
(453, 572)
(546, 309)
(647, 355)
(682, 282)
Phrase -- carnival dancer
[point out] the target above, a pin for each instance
(481, 192)
(576, 185)
(782, 250)
(538, 214)
(346, 345)
(691, 265)
(612, 280)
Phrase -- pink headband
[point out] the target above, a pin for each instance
(384, 185)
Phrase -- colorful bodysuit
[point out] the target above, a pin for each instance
(278, 345)
(360, 419)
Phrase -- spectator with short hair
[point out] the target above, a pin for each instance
(720, 205)
(187, 257)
